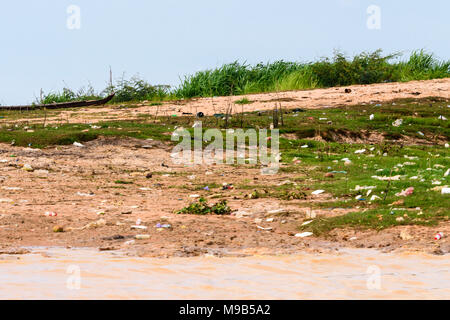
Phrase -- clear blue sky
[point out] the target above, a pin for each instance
(164, 40)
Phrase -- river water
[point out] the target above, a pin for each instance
(56, 273)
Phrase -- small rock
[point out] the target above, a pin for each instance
(404, 235)
(58, 229)
(28, 167)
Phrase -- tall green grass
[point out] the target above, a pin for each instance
(241, 78)
(340, 70)
(67, 95)
(137, 89)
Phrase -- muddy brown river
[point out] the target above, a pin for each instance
(57, 273)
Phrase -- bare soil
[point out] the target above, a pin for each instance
(111, 177)
(79, 183)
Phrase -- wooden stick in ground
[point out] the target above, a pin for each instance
(281, 114)
(45, 116)
(386, 191)
(275, 117)
(242, 116)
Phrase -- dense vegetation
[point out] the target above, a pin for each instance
(240, 78)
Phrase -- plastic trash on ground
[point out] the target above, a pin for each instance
(304, 234)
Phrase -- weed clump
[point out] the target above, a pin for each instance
(202, 208)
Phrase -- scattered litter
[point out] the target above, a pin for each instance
(50, 214)
(85, 194)
(277, 211)
(311, 214)
(79, 145)
(445, 191)
(394, 178)
(397, 123)
(242, 214)
(359, 188)
(269, 219)
(139, 227)
(264, 229)
(317, 192)
(142, 237)
(307, 222)
(447, 173)
(305, 146)
(95, 224)
(12, 188)
(163, 226)
(439, 236)
(130, 242)
(421, 133)
(226, 186)
(374, 197)
(304, 234)
(360, 151)
(442, 118)
(58, 229)
(400, 219)
(28, 167)
(371, 117)
(194, 196)
(407, 192)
